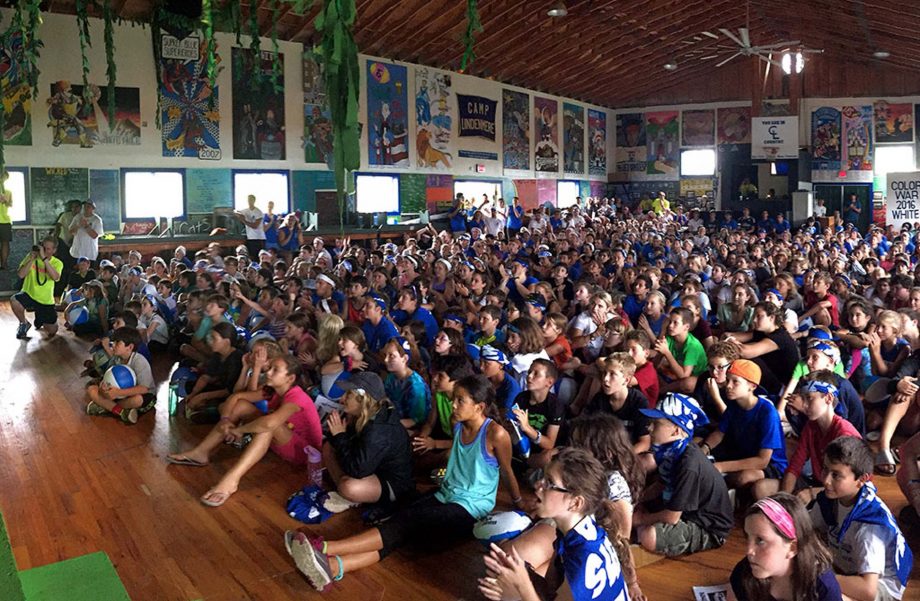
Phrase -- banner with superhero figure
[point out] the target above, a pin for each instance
(387, 116)
(189, 107)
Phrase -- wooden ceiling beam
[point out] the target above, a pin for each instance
(430, 22)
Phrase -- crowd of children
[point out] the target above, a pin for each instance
(626, 377)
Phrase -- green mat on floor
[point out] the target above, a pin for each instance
(88, 578)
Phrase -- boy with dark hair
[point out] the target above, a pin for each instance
(490, 317)
(539, 412)
(870, 556)
(126, 403)
(638, 344)
(493, 364)
(634, 303)
(377, 327)
(694, 512)
(682, 357)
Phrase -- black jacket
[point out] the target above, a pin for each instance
(382, 448)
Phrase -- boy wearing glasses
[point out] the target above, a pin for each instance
(710, 387)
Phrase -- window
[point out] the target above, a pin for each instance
(473, 190)
(892, 159)
(16, 183)
(377, 193)
(566, 193)
(153, 194)
(698, 162)
(266, 186)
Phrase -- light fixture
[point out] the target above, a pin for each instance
(671, 65)
(787, 62)
(558, 10)
(881, 54)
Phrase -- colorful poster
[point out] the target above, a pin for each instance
(546, 151)
(894, 123)
(573, 139)
(15, 94)
(317, 122)
(734, 125)
(662, 130)
(433, 119)
(189, 108)
(597, 143)
(825, 139)
(857, 134)
(477, 117)
(698, 128)
(631, 149)
(387, 115)
(258, 106)
(515, 130)
(75, 119)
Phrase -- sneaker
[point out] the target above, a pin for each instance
(293, 536)
(129, 416)
(23, 329)
(378, 514)
(242, 443)
(147, 406)
(438, 474)
(336, 503)
(93, 409)
(312, 564)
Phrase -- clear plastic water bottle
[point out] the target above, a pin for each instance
(519, 442)
(314, 465)
(173, 397)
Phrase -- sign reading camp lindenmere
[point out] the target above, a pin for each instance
(902, 204)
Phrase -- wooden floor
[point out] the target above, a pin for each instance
(73, 484)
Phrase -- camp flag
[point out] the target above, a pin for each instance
(477, 116)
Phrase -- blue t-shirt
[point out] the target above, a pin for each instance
(411, 396)
(377, 336)
(423, 315)
(749, 431)
(590, 564)
(271, 234)
(826, 587)
(514, 217)
(513, 294)
(507, 392)
(633, 308)
(458, 221)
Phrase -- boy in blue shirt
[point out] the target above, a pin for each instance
(749, 444)
(377, 327)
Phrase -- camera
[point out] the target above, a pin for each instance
(36, 249)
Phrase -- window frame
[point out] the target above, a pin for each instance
(715, 162)
(478, 180)
(286, 173)
(26, 192)
(395, 176)
(124, 171)
(558, 198)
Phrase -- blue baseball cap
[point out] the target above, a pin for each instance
(680, 409)
(537, 301)
(403, 344)
(490, 353)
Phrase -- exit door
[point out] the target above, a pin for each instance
(837, 198)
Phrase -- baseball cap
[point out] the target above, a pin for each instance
(746, 369)
(367, 381)
(82, 259)
(679, 409)
(490, 353)
(537, 301)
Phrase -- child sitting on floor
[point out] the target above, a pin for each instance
(126, 403)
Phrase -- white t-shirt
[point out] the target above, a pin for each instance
(157, 330)
(538, 224)
(83, 244)
(253, 215)
(493, 225)
(820, 211)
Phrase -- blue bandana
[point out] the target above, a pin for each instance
(666, 456)
(819, 387)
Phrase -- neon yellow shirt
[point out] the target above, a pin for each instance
(37, 283)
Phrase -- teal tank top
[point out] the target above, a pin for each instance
(472, 474)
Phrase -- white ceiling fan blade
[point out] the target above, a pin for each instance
(709, 58)
(812, 51)
(745, 36)
(777, 45)
(732, 37)
(769, 60)
(728, 59)
(709, 34)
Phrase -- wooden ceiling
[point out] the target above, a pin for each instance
(612, 52)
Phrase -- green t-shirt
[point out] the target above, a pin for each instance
(445, 412)
(801, 370)
(37, 283)
(692, 353)
(5, 208)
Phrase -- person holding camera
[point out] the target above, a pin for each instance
(39, 270)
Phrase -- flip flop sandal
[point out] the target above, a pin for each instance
(885, 463)
(184, 461)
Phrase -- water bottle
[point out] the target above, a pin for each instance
(519, 442)
(314, 465)
(173, 397)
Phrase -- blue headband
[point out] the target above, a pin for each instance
(819, 387)
(775, 293)
(454, 317)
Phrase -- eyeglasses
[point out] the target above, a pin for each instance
(722, 367)
(547, 485)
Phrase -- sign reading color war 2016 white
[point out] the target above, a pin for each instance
(902, 203)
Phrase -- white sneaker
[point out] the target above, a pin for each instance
(336, 503)
(311, 564)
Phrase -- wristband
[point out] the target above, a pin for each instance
(516, 500)
(539, 436)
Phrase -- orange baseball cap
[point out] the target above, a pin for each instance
(748, 370)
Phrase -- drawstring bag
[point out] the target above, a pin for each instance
(307, 505)
(184, 378)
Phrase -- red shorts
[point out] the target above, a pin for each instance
(293, 452)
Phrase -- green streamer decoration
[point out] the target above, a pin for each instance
(156, 37)
(276, 64)
(300, 7)
(473, 25)
(207, 20)
(255, 44)
(110, 68)
(85, 43)
(32, 45)
(339, 53)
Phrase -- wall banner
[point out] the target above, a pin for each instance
(775, 138)
(477, 116)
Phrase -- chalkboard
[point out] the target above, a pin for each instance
(206, 189)
(412, 192)
(51, 187)
(304, 185)
(105, 191)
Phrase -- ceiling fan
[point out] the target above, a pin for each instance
(764, 52)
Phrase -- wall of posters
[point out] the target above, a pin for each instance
(189, 107)
(546, 126)
(825, 139)
(662, 130)
(433, 119)
(258, 107)
(515, 130)
(894, 123)
(75, 118)
(317, 123)
(631, 147)
(597, 143)
(573, 139)
(15, 94)
(387, 115)
(858, 151)
(698, 128)
(734, 125)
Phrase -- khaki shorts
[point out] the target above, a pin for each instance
(683, 538)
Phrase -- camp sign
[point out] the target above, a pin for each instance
(902, 203)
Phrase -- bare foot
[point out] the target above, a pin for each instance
(216, 497)
(189, 458)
